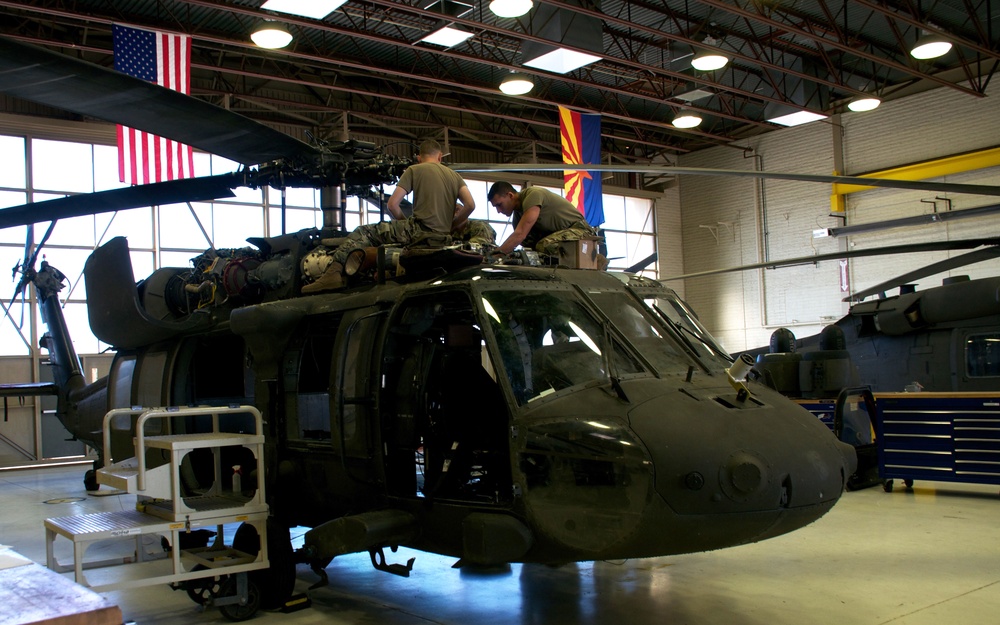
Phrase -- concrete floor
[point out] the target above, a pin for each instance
(925, 556)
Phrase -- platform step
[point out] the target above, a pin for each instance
(121, 475)
(124, 476)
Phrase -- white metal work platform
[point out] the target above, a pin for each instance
(168, 509)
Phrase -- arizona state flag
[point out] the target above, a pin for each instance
(581, 145)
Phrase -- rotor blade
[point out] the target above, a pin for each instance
(915, 220)
(642, 264)
(919, 185)
(46, 77)
(934, 246)
(969, 258)
(41, 244)
(160, 193)
(28, 240)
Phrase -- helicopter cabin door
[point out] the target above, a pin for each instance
(444, 420)
(329, 392)
(353, 389)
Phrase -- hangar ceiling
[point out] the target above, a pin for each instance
(362, 68)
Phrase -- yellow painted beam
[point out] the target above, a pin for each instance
(919, 171)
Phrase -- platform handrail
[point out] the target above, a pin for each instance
(160, 413)
(111, 414)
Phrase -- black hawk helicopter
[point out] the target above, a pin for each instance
(941, 338)
(493, 412)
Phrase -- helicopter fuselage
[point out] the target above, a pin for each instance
(499, 414)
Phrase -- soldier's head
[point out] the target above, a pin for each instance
(504, 198)
(430, 151)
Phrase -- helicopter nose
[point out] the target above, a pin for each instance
(763, 455)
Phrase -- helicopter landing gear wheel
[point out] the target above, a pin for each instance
(90, 480)
(239, 611)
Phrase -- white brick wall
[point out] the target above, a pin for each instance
(922, 127)
(669, 239)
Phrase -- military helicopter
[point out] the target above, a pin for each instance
(917, 339)
(941, 338)
(494, 412)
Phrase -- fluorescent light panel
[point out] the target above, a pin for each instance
(316, 9)
(694, 94)
(797, 119)
(447, 37)
(562, 61)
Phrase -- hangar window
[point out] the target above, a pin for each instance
(982, 355)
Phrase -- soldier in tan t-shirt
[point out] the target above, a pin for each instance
(441, 201)
(541, 218)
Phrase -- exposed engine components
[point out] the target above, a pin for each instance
(315, 262)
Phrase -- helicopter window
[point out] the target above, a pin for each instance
(549, 342)
(313, 410)
(982, 355)
(353, 384)
(678, 315)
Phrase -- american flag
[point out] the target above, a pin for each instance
(163, 58)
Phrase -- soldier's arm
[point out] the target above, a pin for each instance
(397, 196)
(528, 219)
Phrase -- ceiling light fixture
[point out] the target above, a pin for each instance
(511, 8)
(316, 9)
(686, 119)
(930, 46)
(271, 35)
(447, 36)
(709, 60)
(516, 84)
(864, 103)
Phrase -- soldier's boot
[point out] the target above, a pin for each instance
(332, 278)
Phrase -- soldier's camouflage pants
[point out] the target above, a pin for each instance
(402, 232)
(550, 244)
(478, 232)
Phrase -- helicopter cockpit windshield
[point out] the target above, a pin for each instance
(676, 314)
(549, 341)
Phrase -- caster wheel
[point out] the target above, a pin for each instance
(235, 611)
(908, 483)
(202, 591)
(887, 486)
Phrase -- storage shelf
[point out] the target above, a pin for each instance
(939, 436)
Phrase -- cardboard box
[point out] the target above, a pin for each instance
(581, 254)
